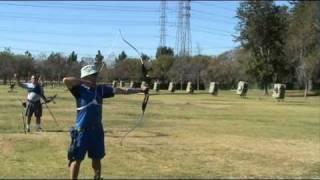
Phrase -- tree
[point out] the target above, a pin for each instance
(7, 62)
(128, 69)
(74, 66)
(303, 41)
(198, 65)
(263, 27)
(28, 54)
(145, 57)
(161, 67)
(99, 58)
(72, 58)
(164, 51)
(56, 66)
(122, 56)
(25, 65)
(180, 70)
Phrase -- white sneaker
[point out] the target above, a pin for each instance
(39, 129)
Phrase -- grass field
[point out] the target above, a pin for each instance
(183, 136)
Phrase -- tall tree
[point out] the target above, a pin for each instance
(6, 65)
(122, 56)
(99, 59)
(28, 54)
(304, 40)
(56, 66)
(145, 57)
(161, 67)
(263, 26)
(164, 51)
(25, 65)
(72, 58)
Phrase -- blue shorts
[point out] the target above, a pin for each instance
(91, 141)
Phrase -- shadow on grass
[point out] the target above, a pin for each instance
(146, 134)
(301, 94)
(110, 133)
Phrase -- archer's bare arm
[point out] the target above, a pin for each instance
(130, 90)
(71, 82)
(18, 82)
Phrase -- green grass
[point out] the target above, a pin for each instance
(183, 136)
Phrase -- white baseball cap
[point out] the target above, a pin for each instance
(88, 70)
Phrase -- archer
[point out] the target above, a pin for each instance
(33, 106)
(88, 134)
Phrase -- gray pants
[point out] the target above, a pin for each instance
(34, 107)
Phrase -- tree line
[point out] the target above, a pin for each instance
(278, 44)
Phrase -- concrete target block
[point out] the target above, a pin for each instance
(156, 86)
(242, 88)
(189, 89)
(213, 89)
(279, 91)
(114, 84)
(172, 87)
(121, 84)
(131, 84)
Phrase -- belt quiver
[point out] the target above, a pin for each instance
(73, 145)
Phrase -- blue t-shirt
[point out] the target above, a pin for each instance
(89, 104)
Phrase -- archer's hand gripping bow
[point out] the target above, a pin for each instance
(147, 80)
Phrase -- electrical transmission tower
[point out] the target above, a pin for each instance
(179, 27)
(183, 36)
(188, 43)
(163, 24)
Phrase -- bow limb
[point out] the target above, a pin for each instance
(135, 49)
(146, 94)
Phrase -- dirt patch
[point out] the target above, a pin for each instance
(7, 147)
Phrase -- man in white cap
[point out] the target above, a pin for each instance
(88, 134)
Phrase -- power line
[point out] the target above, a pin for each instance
(50, 51)
(210, 13)
(24, 40)
(26, 15)
(75, 34)
(34, 19)
(79, 21)
(123, 10)
(42, 51)
(212, 5)
(78, 8)
(213, 30)
(213, 18)
(120, 10)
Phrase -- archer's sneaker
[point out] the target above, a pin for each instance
(39, 129)
(28, 129)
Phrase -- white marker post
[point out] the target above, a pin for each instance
(172, 87)
(213, 89)
(189, 88)
(242, 88)
(279, 91)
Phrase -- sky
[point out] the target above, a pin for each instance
(42, 27)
